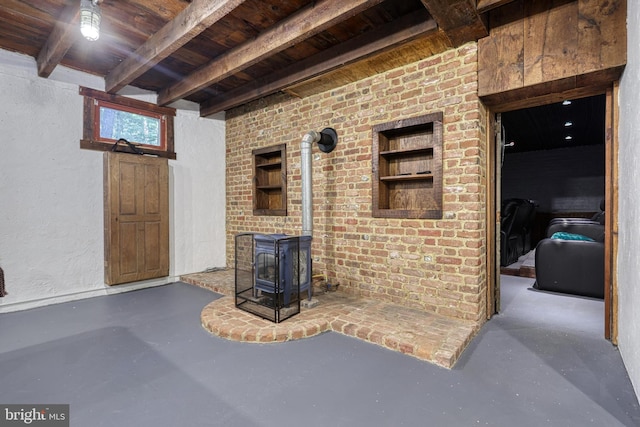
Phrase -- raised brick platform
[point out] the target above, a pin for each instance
(426, 336)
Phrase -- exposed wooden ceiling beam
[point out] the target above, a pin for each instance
(307, 22)
(383, 38)
(64, 34)
(459, 19)
(189, 23)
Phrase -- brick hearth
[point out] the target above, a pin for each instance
(426, 336)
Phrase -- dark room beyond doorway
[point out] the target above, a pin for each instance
(554, 156)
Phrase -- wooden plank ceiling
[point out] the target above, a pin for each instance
(224, 53)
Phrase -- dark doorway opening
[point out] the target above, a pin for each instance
(553, 156)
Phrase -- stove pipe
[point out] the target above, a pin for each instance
(327, 140)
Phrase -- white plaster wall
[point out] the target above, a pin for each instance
(629, 202)
(51, 219)
(198, 191)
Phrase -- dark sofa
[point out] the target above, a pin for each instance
(572, 266)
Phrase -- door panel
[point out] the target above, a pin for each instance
(152, 238)
(127, 255)
(151, 190)
(126, 190)
(136, 217)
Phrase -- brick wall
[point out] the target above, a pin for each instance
(561, 180)
(436, 265)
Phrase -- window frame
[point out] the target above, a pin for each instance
(162, 118)
(94, 99)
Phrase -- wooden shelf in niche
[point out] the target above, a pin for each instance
(407, 168)
(270, 180)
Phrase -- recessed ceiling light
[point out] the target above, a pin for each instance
(566, 102)
(568, 124)
(568, 137)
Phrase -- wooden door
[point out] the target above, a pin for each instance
(495, 153)
(611, 216)
(136, 217)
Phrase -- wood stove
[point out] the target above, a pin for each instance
(271, 272)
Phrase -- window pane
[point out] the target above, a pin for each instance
(116, 124)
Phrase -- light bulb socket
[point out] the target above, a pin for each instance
(90, 19)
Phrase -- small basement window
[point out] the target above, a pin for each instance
(113, 122)
(108, 118)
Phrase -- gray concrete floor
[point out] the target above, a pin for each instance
(142, 359)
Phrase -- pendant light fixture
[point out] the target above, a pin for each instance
(90, 19)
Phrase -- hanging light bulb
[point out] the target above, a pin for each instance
(90, 19)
